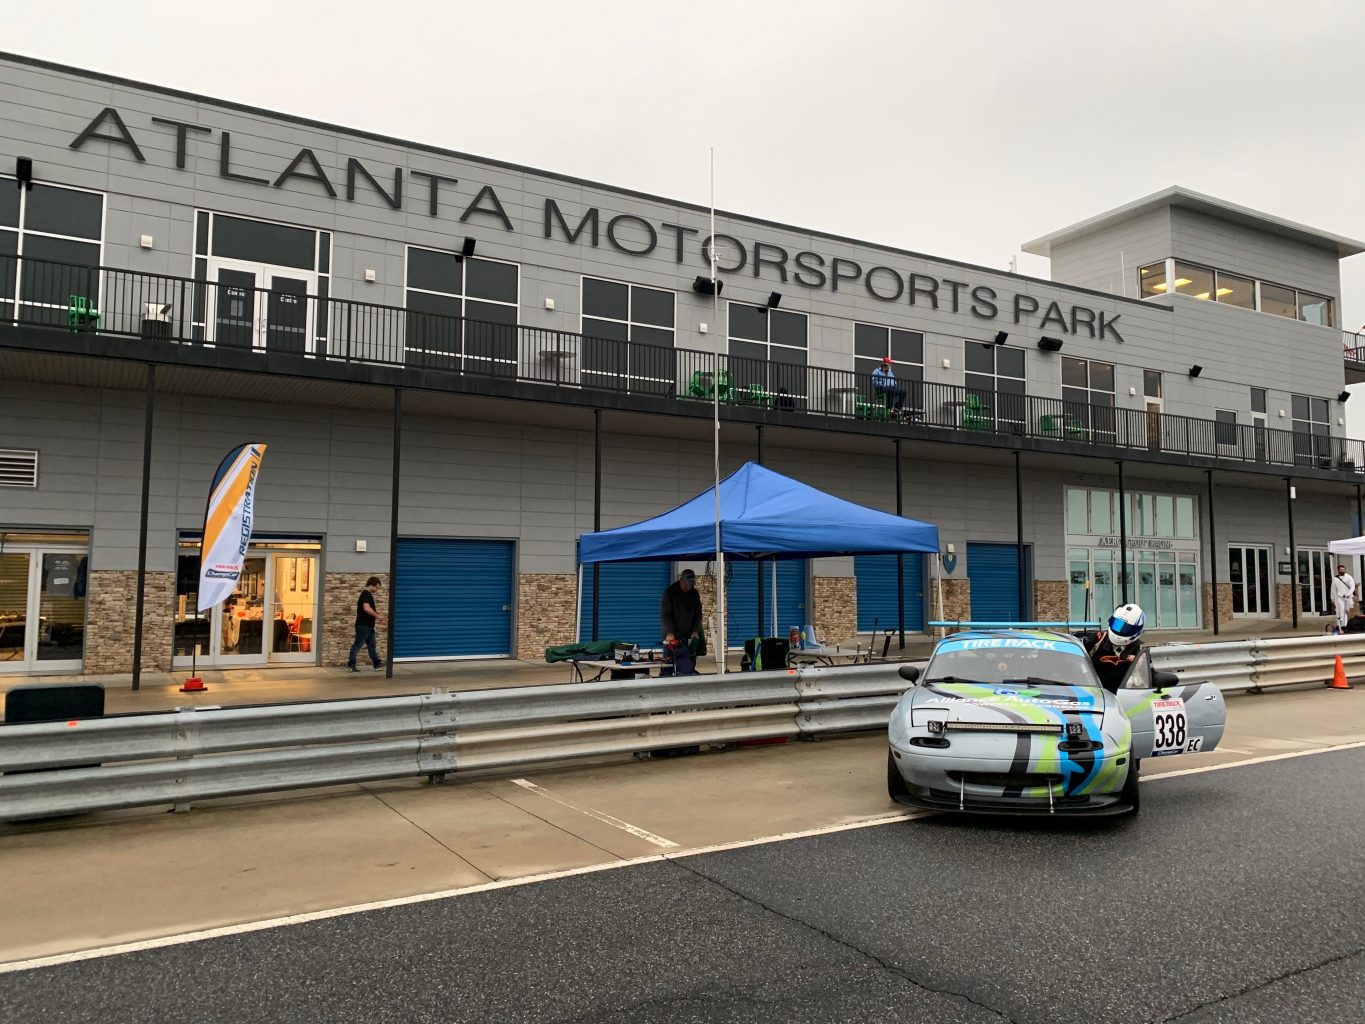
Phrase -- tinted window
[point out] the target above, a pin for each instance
(9, 204)
(869, 341)
(433, 271)
(484, 279)
(652, 336)
(1151, 383)
(64, 211)
(1073, 372)
(259, 242)
(442, 305)
(1258, 399)
(606, 298)
(201, 234)
(1102, 376)
(57, 284)
(615, 330)
(748, 322)
(325, 252)
(650, 306)
(788, 328)
(1299, 407)
(1009, 362)
(748, 349)
(907, 346)
(980, 358)
(1226, 428)
(9, 245)
(490, 312)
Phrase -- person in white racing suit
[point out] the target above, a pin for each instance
(1343, 596)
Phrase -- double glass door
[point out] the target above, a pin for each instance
(1249, 572)
(268, 618)
(260, 307)
(42, 608)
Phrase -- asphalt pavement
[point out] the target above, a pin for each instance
(1235, 898)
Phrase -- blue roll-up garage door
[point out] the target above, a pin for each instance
(453, 599)
(877, 592)
(629, 608)
(742, 599)
(994, 573)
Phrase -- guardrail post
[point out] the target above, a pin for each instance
(186, 731)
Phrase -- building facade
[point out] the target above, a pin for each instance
(460, 365)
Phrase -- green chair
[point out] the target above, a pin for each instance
(1067, 425)
(754, 394)
(700, 385)
(723, 387)
(874, 408)
(976, 414)
(81, 314)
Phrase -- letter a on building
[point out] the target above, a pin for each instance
(227, 523)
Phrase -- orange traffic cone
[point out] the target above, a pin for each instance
(1339, 676)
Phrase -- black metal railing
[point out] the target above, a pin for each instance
(1353, 346)
(182, 311)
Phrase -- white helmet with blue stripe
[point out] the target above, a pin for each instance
(1126, 625)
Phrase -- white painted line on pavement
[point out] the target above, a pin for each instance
(161, 942)
(509, 883)
(601, 816)
(1254, 760)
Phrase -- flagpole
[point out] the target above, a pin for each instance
(715, 434)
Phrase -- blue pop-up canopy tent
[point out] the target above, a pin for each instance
(762, 515)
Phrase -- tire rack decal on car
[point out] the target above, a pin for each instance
(1080, 770)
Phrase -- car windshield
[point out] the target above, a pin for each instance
(1011, 659)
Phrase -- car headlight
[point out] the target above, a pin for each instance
(935, 726)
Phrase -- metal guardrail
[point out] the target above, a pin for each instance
(177, 757)
(1249, 666)
(177, 312)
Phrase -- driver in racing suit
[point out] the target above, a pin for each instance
(1113, 650)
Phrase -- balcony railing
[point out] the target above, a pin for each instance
(1353, 346)
(184, 312)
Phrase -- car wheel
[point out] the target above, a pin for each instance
(1130, 794)
(895, 783)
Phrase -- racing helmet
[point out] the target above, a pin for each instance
(1126, 625)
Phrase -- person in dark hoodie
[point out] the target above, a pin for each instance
(680, 612)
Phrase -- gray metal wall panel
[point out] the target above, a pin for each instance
(1108, 259)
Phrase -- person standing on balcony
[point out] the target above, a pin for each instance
(366, 618)
(1343, 596)
(884, 383)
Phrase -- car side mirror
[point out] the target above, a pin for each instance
(909, 673)
(1163, 679)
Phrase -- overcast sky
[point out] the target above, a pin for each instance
(959, 128)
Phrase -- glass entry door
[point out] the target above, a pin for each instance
(260, 307)
(268, 618)
(1249, 573)
(1315, 582)
(42, 608)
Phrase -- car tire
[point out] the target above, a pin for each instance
(1131, 793)
(895, 783)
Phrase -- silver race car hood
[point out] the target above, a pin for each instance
(1037, 704)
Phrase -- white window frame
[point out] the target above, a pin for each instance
(768, 343)
(924, 337)
(23, 231)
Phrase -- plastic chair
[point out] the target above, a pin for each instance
(700, 385)
(976, 414)
(81, 314)
(875, 408)
(754, 394)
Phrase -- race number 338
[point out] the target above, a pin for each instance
(1169, 727)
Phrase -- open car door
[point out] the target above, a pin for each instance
(1169, 717)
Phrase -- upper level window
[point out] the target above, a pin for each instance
(628, 312)
(49, 223)
(768, 352)
(994, 375)
(1225, 426)
(1193, 280)
(1152, 279)
(1311, 427)
(628, 332)
(1315, 309)
(1088, 391)
(1211, 284)
(462, 312)
(872, 344)
(1258, 400)
(1151, 383)
(1235, 291)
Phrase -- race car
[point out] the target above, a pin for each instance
(1016, 722)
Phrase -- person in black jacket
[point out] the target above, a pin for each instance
(680, 611)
